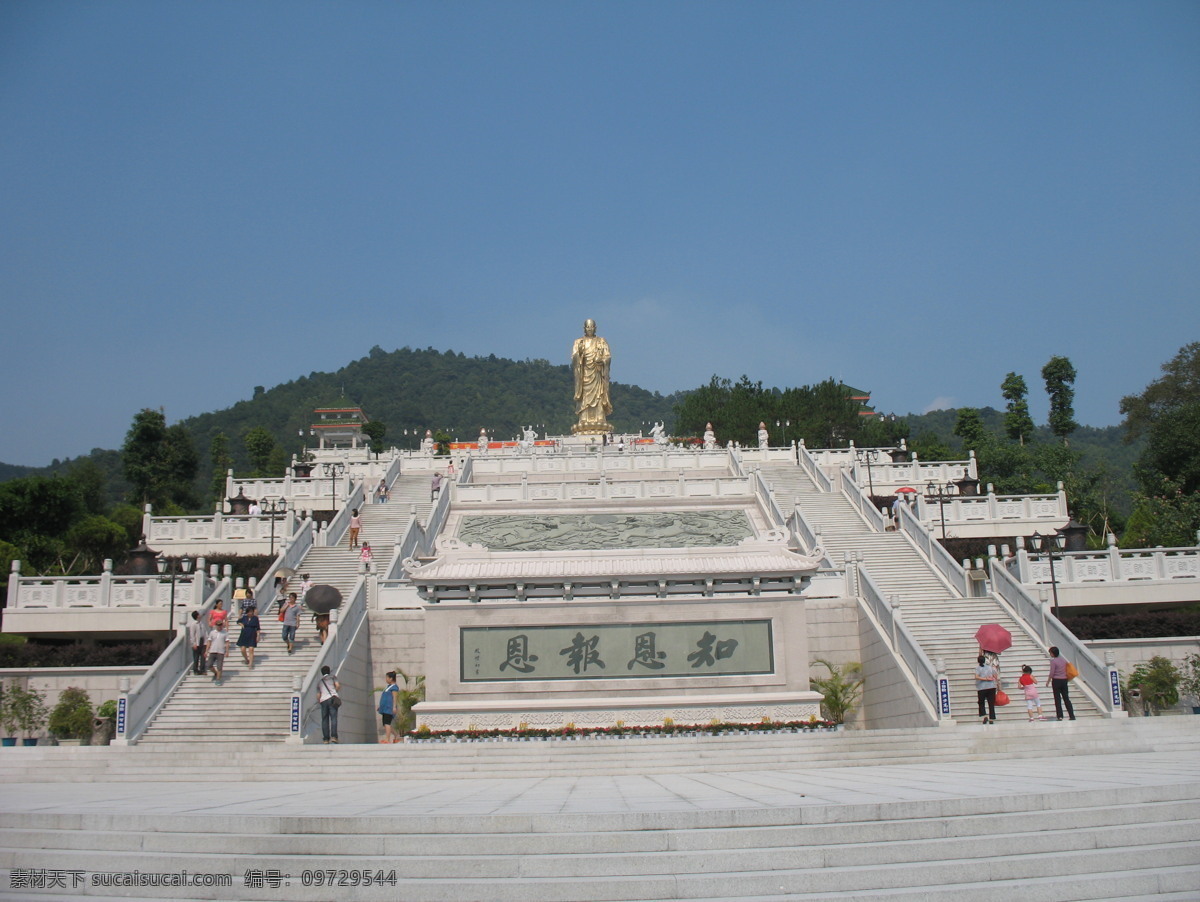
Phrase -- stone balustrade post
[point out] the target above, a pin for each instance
(218, 523)
(1044, 608)
(229, 483)
(106, 581)
(895, 603)
(1114, 682)
(294, 712)
(14, 584)
(943, 684)
(120, 734)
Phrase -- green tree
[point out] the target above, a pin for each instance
(1179, 385)
(969, 427)
(259, 445)
(1059, 376)
(93, 539)
(1018, 424)
(160, 462)
(1158, 682)
(1167, 415)
(375, 430)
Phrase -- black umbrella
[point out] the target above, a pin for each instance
(322, 599)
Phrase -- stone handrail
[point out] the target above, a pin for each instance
(1109, 566)
(595, 461)
(437, 517)
(1092, 674)
(766, 499)
(604, 489)
(885, 476)
(809, 464)
(153, 689)
(217, 527)
(992, 507)
(343, 627)
(901, 641)
(782, 454)
(933, 551)
(810, 539)
(333, 532)
(106, 590)
(855, 494)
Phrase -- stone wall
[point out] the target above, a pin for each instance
(100, 683)
(1129, 653)
(890, 700)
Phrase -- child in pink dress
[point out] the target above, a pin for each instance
(1033, 703)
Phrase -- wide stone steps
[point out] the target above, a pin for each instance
(1086, 846)
(606, 756)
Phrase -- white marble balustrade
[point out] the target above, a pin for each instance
(106, 590)
(982, 516)
(603, 489)
(1113, 576)
(609, 461)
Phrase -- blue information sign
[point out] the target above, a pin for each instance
(121, 703)
(944, 694)
(295, 714)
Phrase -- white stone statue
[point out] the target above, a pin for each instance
(762, 436)
(658, 433)
(427, 443)
(530, 435)
(483, 440)
(710, 438)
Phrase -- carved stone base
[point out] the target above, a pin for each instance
(512, 718)
(591, 429)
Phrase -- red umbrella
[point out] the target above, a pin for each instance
(905, 490)
(993, 637)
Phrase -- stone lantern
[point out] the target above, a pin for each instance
(143, 560)
(1076, 535)
(240, 506)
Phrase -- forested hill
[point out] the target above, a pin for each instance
(415, 390)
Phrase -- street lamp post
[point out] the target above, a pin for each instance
(185, 565)
(333, 470)
(274, 509)
(1050, 544)
(867, 455)
(941, 491)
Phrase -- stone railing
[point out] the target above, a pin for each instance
(884, 478)
(901, 641)
(219, 533)
(345, 625)
(314, 492)
(1095, 677)
(809, 464)
(108, 591)
(604, 489)
(595, 462)
(1001, 514)
(136, 708)
(1110, 566)
(934, 552)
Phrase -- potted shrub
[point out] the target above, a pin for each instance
(842, 689)
(1157, 680)
(8, 720)
(71, 719)
(28, 711)
(105, 723)
(1189, 680)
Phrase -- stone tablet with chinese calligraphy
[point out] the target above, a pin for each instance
(616, 651)
(596, 532)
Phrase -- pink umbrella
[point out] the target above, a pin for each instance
(993, 637)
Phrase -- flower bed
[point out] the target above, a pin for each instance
(619, 731)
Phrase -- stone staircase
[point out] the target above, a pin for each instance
(252, 705)
(981, 813)
(942, 621)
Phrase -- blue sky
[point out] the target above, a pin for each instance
(917, 198)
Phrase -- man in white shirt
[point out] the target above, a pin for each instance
(218, 641)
